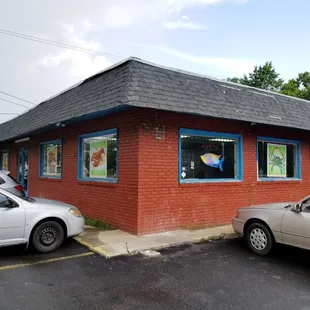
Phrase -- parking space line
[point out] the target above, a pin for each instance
(51, 260)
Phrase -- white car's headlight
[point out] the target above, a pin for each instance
(75, 211)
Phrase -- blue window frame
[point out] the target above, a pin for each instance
(4, 160)
(51, 159)
(209, 156)
(278, 159)
(98, 156)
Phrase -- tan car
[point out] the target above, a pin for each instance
(267, 224)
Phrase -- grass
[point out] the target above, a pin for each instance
(98, 224)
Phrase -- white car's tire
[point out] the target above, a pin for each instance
(259, 238)
(48, 237)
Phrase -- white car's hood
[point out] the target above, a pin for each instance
(46, 203)
(272, 206)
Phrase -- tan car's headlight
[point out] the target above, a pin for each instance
(75, 211)
(236, 215)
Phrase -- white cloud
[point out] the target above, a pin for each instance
(87, 24)
(183, 23)
(79, 64)
(118, 16)
(36, 71)
(126, 13)
(180, 5)
(235, 66)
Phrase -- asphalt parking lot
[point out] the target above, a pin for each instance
(16, 257)
(211, 275)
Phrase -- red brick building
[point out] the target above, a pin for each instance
(150, 149)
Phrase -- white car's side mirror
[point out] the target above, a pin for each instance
(296, 207)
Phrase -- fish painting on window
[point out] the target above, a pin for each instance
(213, 160)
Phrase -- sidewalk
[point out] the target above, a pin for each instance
(116, 242)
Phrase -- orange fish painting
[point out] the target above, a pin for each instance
(213, 160)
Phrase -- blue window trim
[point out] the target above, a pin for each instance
(80, 155)
(202, 133)
(1, 159)
(41, 168)
(283, 141)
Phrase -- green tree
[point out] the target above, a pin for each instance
(264, 77)
(234, 80)
(299, 87)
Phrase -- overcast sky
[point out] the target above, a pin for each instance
(219, 38)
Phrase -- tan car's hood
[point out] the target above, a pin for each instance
(271, 206)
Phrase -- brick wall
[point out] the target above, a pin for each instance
(164, 204)
(148, 197)
(114, 203)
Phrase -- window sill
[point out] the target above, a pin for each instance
(266, 181)
(215, 182)
(50, 179)
(98, 183)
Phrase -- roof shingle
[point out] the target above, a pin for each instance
(137, 83)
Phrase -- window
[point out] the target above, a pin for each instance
(209, 156)
(278, 158)
(3, 200)
(98, 156)
(6, 202)
(4, 160)
(51, 159)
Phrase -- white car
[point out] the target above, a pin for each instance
(40, 222)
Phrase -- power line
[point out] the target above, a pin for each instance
(58, 44)
(2, 92)
(7, 113)
(21, 105)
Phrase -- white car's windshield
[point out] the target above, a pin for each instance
(27, 198)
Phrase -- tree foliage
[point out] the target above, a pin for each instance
(234, 80)
(299, 87)
(266, 77)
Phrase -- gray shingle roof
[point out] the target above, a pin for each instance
(97, 93)
(167, 89)
(135, 82)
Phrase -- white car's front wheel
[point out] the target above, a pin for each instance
(48, 237)
(259, 238)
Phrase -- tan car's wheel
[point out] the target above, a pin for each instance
(259, 238)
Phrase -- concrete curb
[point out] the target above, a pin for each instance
(200, 240)
(100, 250)
(219, 237)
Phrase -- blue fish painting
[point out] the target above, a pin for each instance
(213, 160)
